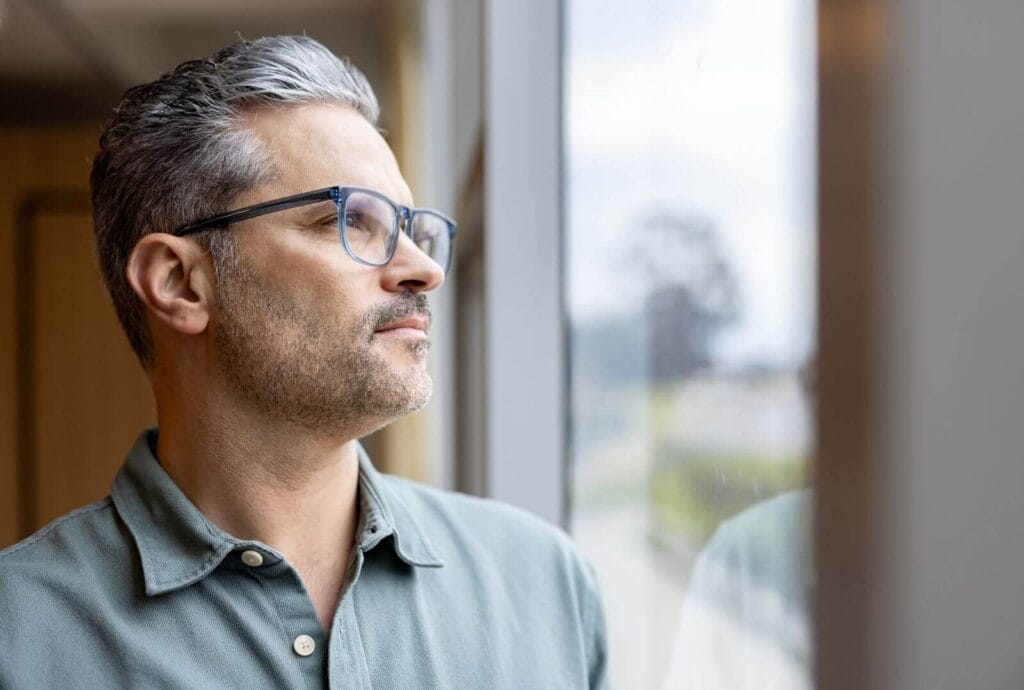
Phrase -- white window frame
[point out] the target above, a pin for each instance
(526, 427)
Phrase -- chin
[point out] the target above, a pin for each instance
(418, 347)
(424, 386)
(419, 387)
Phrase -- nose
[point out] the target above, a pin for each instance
(411, 270)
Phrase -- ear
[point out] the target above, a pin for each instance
(172, 277)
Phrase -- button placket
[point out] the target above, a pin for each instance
(302, 636)
(347, 664)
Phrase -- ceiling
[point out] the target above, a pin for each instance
(70, 60)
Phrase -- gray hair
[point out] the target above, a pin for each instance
(176, 150)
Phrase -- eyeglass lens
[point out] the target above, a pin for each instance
(430, 233)
(371, 224)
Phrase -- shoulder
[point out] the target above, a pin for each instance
(526, 575)
(60, 554)
(488, 514)
(535, 564)
(62, 583)
(61, 533)
(760, 530)
(490, 530)
(765, 548)
(474, 518)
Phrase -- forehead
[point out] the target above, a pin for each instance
(321, 145)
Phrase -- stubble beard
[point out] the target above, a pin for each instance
(304, 367)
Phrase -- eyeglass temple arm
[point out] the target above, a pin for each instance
(259, 210)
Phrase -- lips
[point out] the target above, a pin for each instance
(419, 323)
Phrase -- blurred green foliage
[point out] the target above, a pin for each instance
(692, 493)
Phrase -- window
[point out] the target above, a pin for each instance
(689, 206)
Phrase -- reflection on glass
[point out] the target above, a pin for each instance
(745, 619)
(690, 206)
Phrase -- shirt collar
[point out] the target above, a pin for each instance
(178, 546)
(384, 509)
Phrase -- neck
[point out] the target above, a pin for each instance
(262, 479)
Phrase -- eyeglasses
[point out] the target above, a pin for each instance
(367, 222)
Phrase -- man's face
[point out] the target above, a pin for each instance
(301, 329)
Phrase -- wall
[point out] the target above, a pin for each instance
(952, 530)
(35, 160)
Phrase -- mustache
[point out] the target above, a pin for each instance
(408, 305)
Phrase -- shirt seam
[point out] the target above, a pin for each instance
(45, 531)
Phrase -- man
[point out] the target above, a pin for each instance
(269, 268)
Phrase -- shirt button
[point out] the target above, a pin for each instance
(253, 558)
(304, 645)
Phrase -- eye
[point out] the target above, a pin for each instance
(330, 221)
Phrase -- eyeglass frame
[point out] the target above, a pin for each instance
(339, 195)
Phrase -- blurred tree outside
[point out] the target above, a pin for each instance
(692, 297)
(691, 292)
(661, 356)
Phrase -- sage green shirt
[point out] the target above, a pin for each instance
(140, 590)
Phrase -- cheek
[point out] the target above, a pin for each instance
(319, 279)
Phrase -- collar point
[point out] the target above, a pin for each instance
(422, 556)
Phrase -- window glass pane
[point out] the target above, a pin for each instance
(689, 135)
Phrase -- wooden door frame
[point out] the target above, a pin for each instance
(31, 204)
(851, 67)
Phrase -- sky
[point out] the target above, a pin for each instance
(705, 108)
